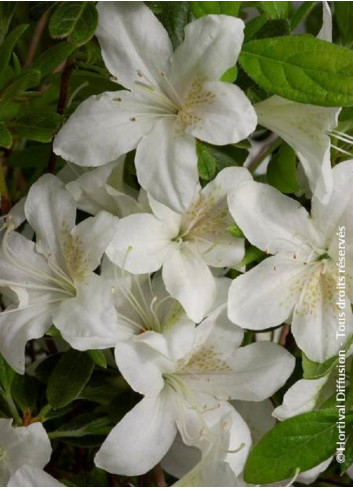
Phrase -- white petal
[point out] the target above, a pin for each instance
(189, 280)
(141, 366)
(225, 117)
(28, 476)
(260, 369)
(132, 40)
(141, 244)
(270, 220)
(304, 127)
(89, 321)
(166, 165)
(28, 445)
(339, 209)
(310, 476)
(93, 236)
(17, 326)
(209, 232)
(50, 209)
(164, 213)
(266, 295)
(300, 398)
(102, 128)
(104, 189)
(175, 342)
(141, 438)
(211, 46)
(181, 458)
(217, 334)
(326, 30)
(257, 415)
(350, 471)
(316, 316)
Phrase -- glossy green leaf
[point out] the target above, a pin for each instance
(5, 136)
(98, 357)
(302, 11)
(296, 444)
(276, 10)
(53, 57)
(8, 45)
(281, 171)
(27, 79)
(199, 9)
(301, 68)
(252, 254)
(206, 162)
(175, 16)
(75, 20)
(7, 374)
(38, 126)
(7, 9)
(25, 392)
(344, 18)
(69, 377)
(314, 370)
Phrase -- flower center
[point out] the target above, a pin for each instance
(196, 97)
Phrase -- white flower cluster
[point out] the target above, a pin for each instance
(145, 274)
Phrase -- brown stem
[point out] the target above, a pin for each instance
(159, 476)
(265, 150)
(64, 88)
(37, 35)
(284, 334)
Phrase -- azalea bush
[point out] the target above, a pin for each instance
(176, 260)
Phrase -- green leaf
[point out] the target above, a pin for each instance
(281, 171)
(276, 10)
(7, 374)
(24, 391)
(348, 452)
(53, 57)
(298, 443)
(301, 12)
(83, 425)
(252, 254)
(38, 126)
(98, 357)
(174, 17)
(8, 45)
(206, 162)
(253, 26)
(301, 68)
(69, 377)
(5, 136)
(230, 75)
(344, 19)
(74, 20)
(7, 9)
(199, 9)
(228, 155)
(35, 156)
(27, 79)
(313, 370)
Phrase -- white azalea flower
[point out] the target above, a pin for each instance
(306, 128)
(172, 98)
(53, 279)
(29, 476)
(178, 393)
(185, 245)
(26, 445)
(298, 283)
(103, 189)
